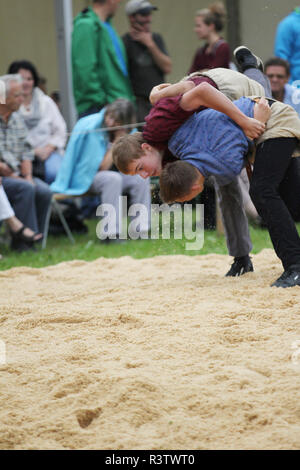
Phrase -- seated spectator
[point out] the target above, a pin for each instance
(88, 167)
(30, 197)
(278, 72)
(22, 238)
(47, 131)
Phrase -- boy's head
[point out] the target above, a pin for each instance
(179, 182)
(132, 155)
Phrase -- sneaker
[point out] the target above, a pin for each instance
(246, 60)
(241, 265)
(289, 278)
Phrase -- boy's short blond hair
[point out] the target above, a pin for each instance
(176, 180)
(126, 149)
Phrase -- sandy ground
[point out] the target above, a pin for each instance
(161, 353)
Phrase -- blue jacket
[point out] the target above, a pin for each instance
(213, 143)
(292, 97)
(84, 153)
(287, 42)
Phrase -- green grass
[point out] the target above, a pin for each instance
(87, 247)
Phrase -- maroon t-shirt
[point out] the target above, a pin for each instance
(218, 57)
(167, 116)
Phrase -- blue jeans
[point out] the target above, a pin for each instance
(52, 165)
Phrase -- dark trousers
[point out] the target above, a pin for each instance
(30, 202)
(271, 190)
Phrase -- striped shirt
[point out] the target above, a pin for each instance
(13, 145)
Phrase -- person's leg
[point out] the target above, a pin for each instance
(250, 210)
(290, 189)
(20, 232)
(6, 211)
(272, 161)
(43, 196)
(108, 185)
(234, 218)
(231, 200)
(52, 165)
(139, 191)
(252, 66)
(261, 78)
(21, 196)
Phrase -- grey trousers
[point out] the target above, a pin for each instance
(230, 198)
(260, 77)
(110, 185)
(30, 202)
(234, 218)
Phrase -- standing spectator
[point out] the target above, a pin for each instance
(99, 60)
(16, 157)
(148, 60)
(209, 22)
(47, 130)
(287, 42)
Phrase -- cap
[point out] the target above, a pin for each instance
(137, 6)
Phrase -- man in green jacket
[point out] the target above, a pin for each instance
(99, 61)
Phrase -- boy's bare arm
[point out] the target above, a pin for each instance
(208, 96)
(166, 90)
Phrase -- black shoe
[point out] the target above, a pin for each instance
(20, 246)
(289, 278)
(29, 239)
(241, 265)
(246, 60)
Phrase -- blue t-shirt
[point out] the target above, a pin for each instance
(115, 40)
(213, 142)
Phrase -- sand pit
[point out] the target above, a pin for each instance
(161, 353)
